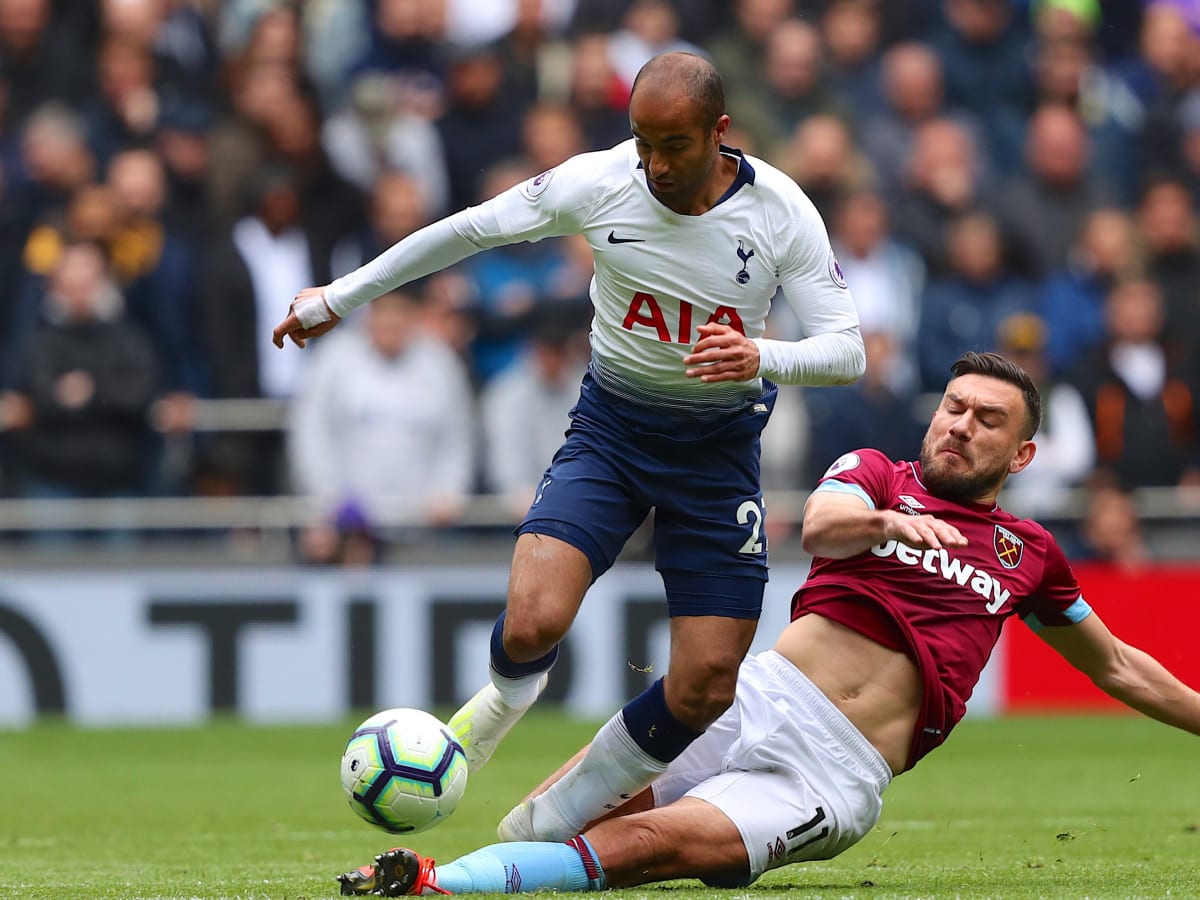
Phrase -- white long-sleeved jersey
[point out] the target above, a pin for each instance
(659, 275)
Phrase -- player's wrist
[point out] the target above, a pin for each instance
(312, 311)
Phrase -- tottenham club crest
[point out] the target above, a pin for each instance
(744, 255)
(1008, 547)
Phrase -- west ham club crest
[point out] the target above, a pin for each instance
(1008, 547)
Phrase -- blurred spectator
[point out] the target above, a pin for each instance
(385, 420)
(1167, 219)
(943, 180)
(738, 50)
(550, 134)
(1189, 143)
(1143, 407)
(246, 284)
(913, 94)
(126, 112)
(962, 309)
(984, 48)
(398, 206)
(39, 60)
(887, 278)
(648, 28)
(511, 282)
(528, 39)
(1110, 532)
(182, 142)
(1043, 208)
(1160, 77)
(524, 410)
(1064, 454)
(698, 18)
(1063, 61)
(157, 270)
(480, 125)
(900, 20)
(376, 131)
(405, 42)
(880, 410)
(335, 35)
(1073, 297)
(852, 30)
(596, 93)
(330, 208)
(238, 139)
(822, 159)
(90, 215)
(344, 538)
(85, 381)
(55, 161)
(790, 88)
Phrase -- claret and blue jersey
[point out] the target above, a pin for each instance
(949, 604)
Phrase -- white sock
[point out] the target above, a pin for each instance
(519, 692)
(613, 770)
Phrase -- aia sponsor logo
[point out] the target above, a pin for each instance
(1008, 546)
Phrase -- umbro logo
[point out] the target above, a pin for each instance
(613, 239)
(912, 501)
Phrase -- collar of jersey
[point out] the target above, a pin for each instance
(744, 176)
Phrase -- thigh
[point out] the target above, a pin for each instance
(705, 654)
(586, 499)
(703, 758)
(547, 582)
(783, 817)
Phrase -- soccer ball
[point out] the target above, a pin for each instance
(403, 770)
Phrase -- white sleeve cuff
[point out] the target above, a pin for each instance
(836, 357)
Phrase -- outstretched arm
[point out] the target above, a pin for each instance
(1130, 675)
(839, 526)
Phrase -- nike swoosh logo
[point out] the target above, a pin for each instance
(613, 239)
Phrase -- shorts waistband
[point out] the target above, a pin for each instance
(830, 716)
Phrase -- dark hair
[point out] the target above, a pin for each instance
(698, 78)
(993, 365)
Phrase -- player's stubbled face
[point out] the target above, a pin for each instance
(972, 439)
(677, 150)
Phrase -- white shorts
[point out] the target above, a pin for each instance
(798, 780)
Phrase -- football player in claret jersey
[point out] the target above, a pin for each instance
(691, 240)
(915, 569)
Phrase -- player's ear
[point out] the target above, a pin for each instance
(721, 127)
(1023, 457)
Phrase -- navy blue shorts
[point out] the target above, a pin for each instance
(621, 460)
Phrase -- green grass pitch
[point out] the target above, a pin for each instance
(1023, 807)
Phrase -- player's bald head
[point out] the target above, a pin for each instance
(686, 74)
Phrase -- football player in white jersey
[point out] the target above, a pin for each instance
(691, 242)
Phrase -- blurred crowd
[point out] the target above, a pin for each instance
(995, 174)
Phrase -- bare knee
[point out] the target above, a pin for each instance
(646, 853)
(529, 635)
(702, 692)
(546, 586)
(688, 839)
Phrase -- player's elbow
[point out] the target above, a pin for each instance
(856, 356)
